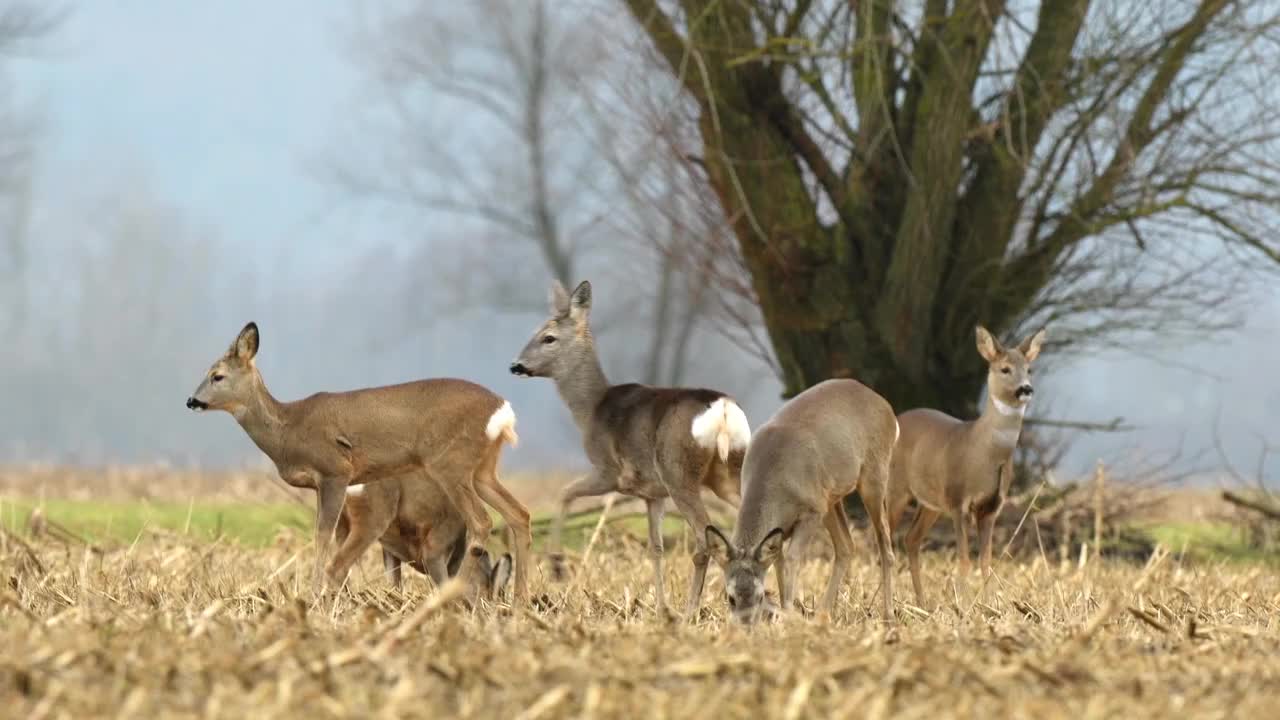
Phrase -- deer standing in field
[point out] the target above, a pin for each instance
(446, 432)
(835, 438)
(416, 525)
(962, 468)
(646, 442)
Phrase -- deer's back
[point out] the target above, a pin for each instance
(392, 429)
(813, 451)
(634, 426)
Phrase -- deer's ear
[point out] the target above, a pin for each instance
(988, 346)
(580, 303)
(770, 548)
(245, 347)
(558, 300)
(500, 575)
(721, 549)
(1030, 347)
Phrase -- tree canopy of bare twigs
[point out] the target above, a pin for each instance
(531, 146)
(895, 173)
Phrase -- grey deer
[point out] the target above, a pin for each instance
(446, 432)
(963, 468)
(416, 525)
(646, 442)
(834, 438)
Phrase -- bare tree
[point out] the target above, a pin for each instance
(22, 26)
(895, 173)
(530, 151)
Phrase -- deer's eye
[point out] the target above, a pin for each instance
(218, 377)
(548, 339)
(733, 601)
(1005, 370)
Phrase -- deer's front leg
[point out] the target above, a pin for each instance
(332, 493)
(961, 517)
(657, 509)
(596, 483)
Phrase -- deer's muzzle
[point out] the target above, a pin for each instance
(518, 368)
(1023, 391)
(194, 404)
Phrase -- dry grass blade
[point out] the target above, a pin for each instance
(1148, 618)
(546, 703)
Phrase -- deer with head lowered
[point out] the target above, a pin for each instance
(646, 442)
(416, 525)
(446, 432)
(963, 468)
(835, 438)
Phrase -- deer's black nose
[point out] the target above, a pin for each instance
(1023, 391)
(194, 404)
(518, 368)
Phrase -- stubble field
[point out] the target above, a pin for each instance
(173, 624)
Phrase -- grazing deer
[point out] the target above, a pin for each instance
(448, 432)
(646, 442)
(416, 525)
(957, 468)
(823, 444)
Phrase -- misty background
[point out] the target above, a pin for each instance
(178, 169)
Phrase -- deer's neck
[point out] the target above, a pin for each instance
(582, 388)
(999, 425)
(264, 420)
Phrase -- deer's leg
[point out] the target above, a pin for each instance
(657, 509)
(514, 514)
(985, 524)
(961, 517)
(842, 543)
(920, 526)
(689, 503)
(876, 479)
(728, 479)
(436, 569)
(391, 564)
(801, 536)
(331, 494)
(593, 484)
(460, 489)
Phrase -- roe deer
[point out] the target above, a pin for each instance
(958, 468)
(646, 442)
(416, 525)
(445, 431)
(823, 444)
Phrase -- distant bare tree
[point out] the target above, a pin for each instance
(548, 182)
(894, 173)
(22, 26)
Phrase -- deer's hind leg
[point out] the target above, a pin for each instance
(875, 475)
(837, 523)
(683, 480)
(513, 513)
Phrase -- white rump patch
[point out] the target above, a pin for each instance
(1008, 410)
(723, 427)
(355, 490)
(502, 424)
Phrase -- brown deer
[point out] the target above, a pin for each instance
(447, 432)
(646, 442)
(835, 438)
(962, 468)
(416, 525)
